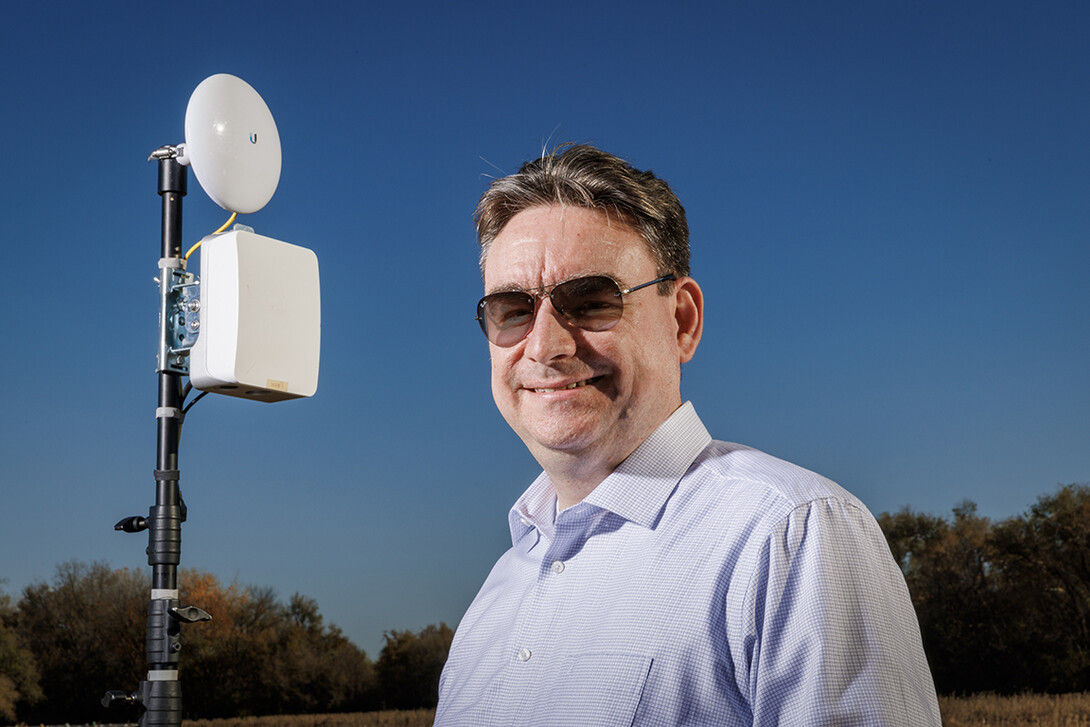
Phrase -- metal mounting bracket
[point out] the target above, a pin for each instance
(179, 315)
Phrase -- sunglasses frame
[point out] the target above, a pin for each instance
(539, 293)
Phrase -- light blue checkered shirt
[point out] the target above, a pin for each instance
(702, 583)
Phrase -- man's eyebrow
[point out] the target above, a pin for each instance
(507, 288)
(516, 288)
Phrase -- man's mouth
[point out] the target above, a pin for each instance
(574, 385)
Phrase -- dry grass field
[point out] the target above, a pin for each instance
(408, 718)
(1029, 710)
(1040, 710)
(1036, 710)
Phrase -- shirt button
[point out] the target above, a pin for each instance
(558, 567)
(524, 654)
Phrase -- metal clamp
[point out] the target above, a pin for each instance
(179, 315)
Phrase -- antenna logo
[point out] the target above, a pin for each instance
(253, 138)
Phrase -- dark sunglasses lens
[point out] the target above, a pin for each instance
(593, 304)
(506, 317)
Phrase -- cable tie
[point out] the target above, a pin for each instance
(163, 675)
(169, 412)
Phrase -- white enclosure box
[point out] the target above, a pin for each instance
(260, 319)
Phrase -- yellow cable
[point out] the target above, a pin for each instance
(223, 227)
(226, 224)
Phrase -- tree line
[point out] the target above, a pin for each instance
(1003, 607)
(63, 644)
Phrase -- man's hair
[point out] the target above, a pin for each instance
(584, 176)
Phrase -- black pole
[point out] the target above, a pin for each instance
(161, 694)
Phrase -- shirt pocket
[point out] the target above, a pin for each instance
(593, 689)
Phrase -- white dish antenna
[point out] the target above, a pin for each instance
(232, 144)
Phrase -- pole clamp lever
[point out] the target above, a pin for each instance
(189, 614)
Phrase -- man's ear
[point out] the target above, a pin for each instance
(689, 315)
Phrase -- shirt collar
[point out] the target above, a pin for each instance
(637, 490)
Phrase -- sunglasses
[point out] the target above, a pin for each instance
(593, 304)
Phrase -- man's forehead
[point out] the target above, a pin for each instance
(548, 245)
(538, 271)
(569, 219)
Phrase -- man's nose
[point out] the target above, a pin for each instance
(551, 337)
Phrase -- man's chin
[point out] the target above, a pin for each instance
(565, 430)
(560, 442)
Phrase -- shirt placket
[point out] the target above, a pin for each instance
(538, 639)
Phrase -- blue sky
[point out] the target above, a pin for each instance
(889, 217)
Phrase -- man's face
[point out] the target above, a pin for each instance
(626, 380)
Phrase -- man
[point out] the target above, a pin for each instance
(656, 577)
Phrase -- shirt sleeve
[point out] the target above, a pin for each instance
(831, 637)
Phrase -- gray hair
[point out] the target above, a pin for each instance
(584, 176)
